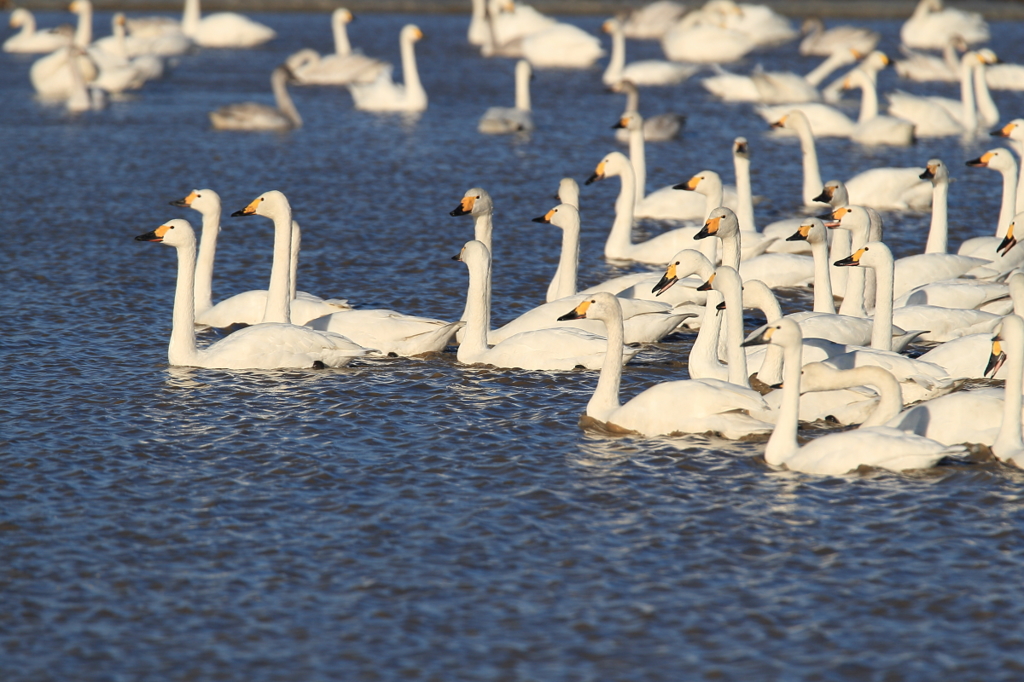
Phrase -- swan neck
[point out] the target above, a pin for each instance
(620, 238)
(638, 159)
(938, 231)
(606, 395)
(731, 249)
(342, 47)
(782, 443)
(483, 226)
(744, 194)
(735, 355)
(821, 71)
(1009, 440)
(190, 18)
(410, 73)
(704, 352)
(182, 347)
(617, 61)
(967, 98)
(568, 262)
(278, 307)
(1008, 206)
(890, 395)
(523, 102)
(824, 302)
(204, 266)
(812, 173)
(881, 328)
(987, 108)
(284, 100)
(478, 311)
(868, 101)
(83, 30)
(838, 249)
(293, 263)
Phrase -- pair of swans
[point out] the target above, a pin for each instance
(383, 94)
(247, 307)
(30, 40)
(273, 343)
(775, 87)
(261, 117)
(502, 120)
(340, 68)
(511, 29)
(641, 73)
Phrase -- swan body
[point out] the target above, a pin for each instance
(1005, 76)
(931, 26)
(383, 94)
(955, 293)
(29, 40)
(821, 42)
(340, 68)
(871, 127)
(563, 46)
(83, 97)
(223, 29)
(657, 128)
(651, 21)
(512, 21)
(501, 120)
(837, 453)
(647, 72)
(261, 117)
(542, 349)
(941, 117)
(51, 75)
(923, 67)
(389, 331)
(269, 345)
(705, 44)
(688, 406)
(823, 120)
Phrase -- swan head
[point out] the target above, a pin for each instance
(202, 200)
(997, 159)
(721, 222)
(872, 255)
(1013, 130)
(935, 171)
(725, 279)
(599, 306)
(685, 263)
(563, 216)
(270, 204)
(630, 120)
(741, 148)
(1009, 241)
(987, 56)
(568, 192)
(853, 218)
(783, 332)
(794, 120)
(19, 17)
(342, 16)
(812, 231)
(703, 182)
(411, 33)
(472, 253)
(876, 61)
(80, 6)
(475, 202)
(611, 26)
(611, 165)
(175, 232)
(834, 193)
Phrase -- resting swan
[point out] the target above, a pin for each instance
(563, 46)
(268, 345)
(383, 94)
(836, 453)
(247, 307)
(29, 40)
(817, 41)
(261, 117)
(222, 29)
(872, 128)
(501, 120)
(688, 406)
(342, 67)
(931, 26)
(646, 72)
(940, 116)
(650, 22)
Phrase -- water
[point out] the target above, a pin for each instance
(418, 519)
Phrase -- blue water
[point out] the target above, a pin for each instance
(419, 519)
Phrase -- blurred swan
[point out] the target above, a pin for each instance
(646, 72)
(83, 97)
(557, 348)
(222, 29)
(501, 120)
(818, 41)
(384, 94)
(1005, 76)
(836, 453)
(1013, 132)
(941, 116)
(657, 128)
(342, 67)
(563, 46)
(50, 75)
(512, 21)
(30, 40)
(931, 26)
(775, 87)
(873, 128)
(700, 38)
(116, 50)
(923, 67)
(261, 117)
(268, 345)
(651, 21)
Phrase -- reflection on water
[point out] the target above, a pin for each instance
(414, 518)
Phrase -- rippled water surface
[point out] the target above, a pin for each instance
(418, 519)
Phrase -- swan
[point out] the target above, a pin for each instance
(760, 23)
(562, 46)
(476, 202)
(1014, 134)
(384, 94)
(872, 128)
(726, 281)
(83, 97)
(342, 67)
(647, 72)
(513, 21)
(268, 345)
(836, 453)
(115, 47)
(657, 128)
(769, 87)
(687, 406)
(1005, 76)
(51, 75)
(651, 21)
(554, 348)
(931, 26)
(697, 38)
(169, 43)
(940, 116)
(222, 29)
(922, 67)
(500, 120)
(29, 40)
(999, 160)
(880, 188)
(389, 331)
(261, 117)
(819, 42)
(247, 307)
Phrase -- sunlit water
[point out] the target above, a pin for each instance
(418, 519)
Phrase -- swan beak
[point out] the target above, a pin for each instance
(982, 161)
(250, 209)
(621, 123)
(850, 260)
(546, 218)
(458, 256)
(759, 337)
(1004, 131)
(186, 202)
(1009, 241)
(996, 359)
(825, 196)
(598, 174)
(666, 281)
(720, 306)
(710, 228)
(800, 234)
(833, 219)
(465, 206)
(577, 313)
(156, 235)
(690, 184)
(781, 123)
(741, 148)
(707, 286)
(928, 174)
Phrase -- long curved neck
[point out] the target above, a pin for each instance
(190, 18)
(483, 226)
(1008, 206)
(868, 99)
(704, 352)
(1009, 440)
(293, 262)
(967, 98)
(28, 25)
(278, 293)
(821, 71)
(736, 356)
(938, 231)
(782, 443)
(283, 99)
(618, 59)
(83, 31)
(478, 311)
(204, 266)
(564, 283)
(620, 238)
(606, 395)
(744, 194)
(762, 298)
(119, 40)
(890, 395)
(342, 47)
(823, 299)
(812, 174)
(410, 73)
(1019, 148)
(731, 247)
(839, 249)
(881, 328)
(987, 108)
(638, 159)
(182, 347)
(523, 90)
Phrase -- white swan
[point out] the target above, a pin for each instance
(651, 21)
(688, 406)
(1014, 134)
(116, 47)
(83, 97)
(931, 26)
(819, 42)
(837, 453)
(389, 331)
(222, 29)
(542, 349)
(762, 24)
(940, 116)
(657, 128)
(247, 307)
(646, 72)
(384, 94)
(999, 160)
(512, 21)
(563, 46)
(1001, 76)
(501, 120)
(700, 38)
(261, 117)
(872, 128)
(51, 75)
(340, 68)
(30, 40)
(923, 67)
(269, 345)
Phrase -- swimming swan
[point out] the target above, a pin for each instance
(819, 42)
(342, 67)
(657, 128)
(222, 29)
(29, 40)
(646, 72)
(931, 26)
(501, 120)
(261, 117)
(384, 94)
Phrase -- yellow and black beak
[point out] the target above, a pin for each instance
(250, 209)
(666, 281)
(759, 337)
(832, 219)
(598, 174)
(707, 285)
(780, 123)
(156, 235)
(1009, 241)
(577, 313)
(928, 174)
(690, 184)
(1004, 131)
(546, 218)
(800, 234)
(996, 359)
(710, 228)
(621, 123)
(825, 196)
(982, 161)
(851, 260)
(186, 202)
(465, 206)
